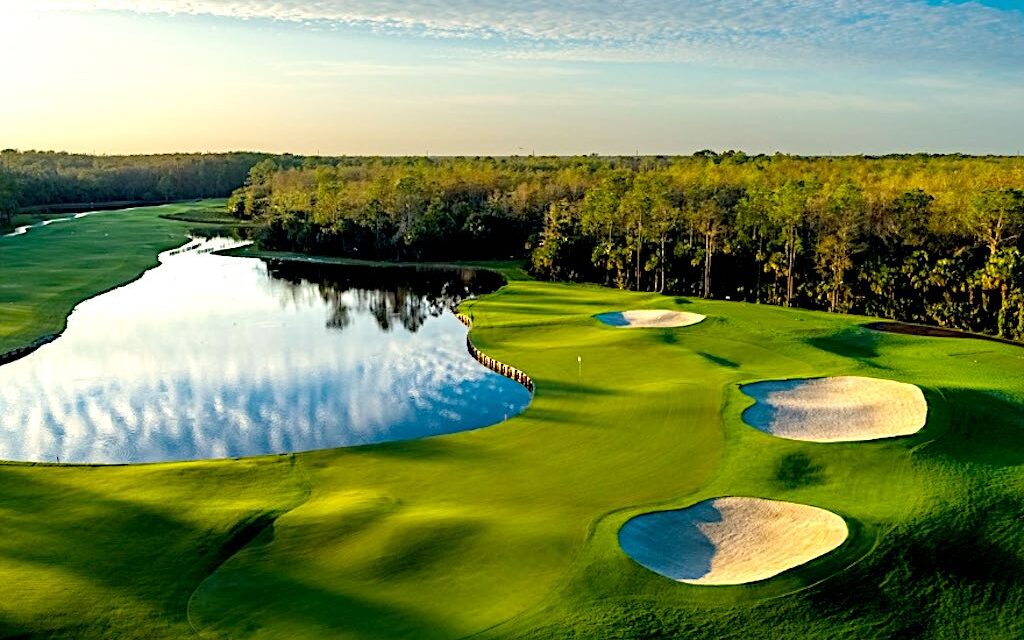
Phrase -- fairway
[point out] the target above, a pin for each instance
(50, 269)
(512, 531)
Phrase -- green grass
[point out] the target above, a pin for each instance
(510, 531)
(22, 219)
(206, 212)
(46, 272)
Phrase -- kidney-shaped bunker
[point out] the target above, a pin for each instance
(841, 409)
(650, 319)
(732, 540)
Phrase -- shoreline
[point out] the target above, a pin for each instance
(21, 352)
(18, 353)
(510, 372)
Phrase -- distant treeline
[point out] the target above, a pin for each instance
(38, 180)
(932, 239)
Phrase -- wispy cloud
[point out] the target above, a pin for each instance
(935, 82)
(449, 68)
(742, 32)
(804, 101)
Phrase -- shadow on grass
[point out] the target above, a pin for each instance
(130, 551)
(516, 309)
(968, 555)
(430, 547)
(551, 388)
(986, 428)
(439, 447)
(854, 343)
(13, 630)
(663, 336)
(972, 545)
(796, 470)
(557, 418)
(284, 591)
(719, 360)
(286, 607)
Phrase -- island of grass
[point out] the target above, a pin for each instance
(512, 531)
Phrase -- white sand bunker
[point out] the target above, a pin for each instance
(841, 409)
(650, 318)
(729, 541)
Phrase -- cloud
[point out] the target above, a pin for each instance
(450, 67)
(934, 82)
(743, 32)
(803, 101)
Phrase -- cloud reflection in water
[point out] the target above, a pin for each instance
(210, 356)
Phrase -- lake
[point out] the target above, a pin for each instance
(208, 356)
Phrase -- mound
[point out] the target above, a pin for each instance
(841, 409)
(729, 541)
(650, 318)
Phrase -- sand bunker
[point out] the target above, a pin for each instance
(841, 409)
(650, 318)
(729, 541)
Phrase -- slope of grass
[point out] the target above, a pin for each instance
(118, 551)
(510, 531)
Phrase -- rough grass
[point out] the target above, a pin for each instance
(511, 531)
(206, 212)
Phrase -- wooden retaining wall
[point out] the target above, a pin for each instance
(508, 371)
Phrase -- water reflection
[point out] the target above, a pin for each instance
(209, 356)
(407, 296)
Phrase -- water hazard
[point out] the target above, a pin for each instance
(210, 356)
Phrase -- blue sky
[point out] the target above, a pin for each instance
(499, 77)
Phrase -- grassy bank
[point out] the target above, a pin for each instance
(510, 531)
(49, 270)
(210, 212)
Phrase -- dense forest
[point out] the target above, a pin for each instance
(931, 239)
(38, 180)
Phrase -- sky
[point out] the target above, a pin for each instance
(500, 77)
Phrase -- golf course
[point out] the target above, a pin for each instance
(516, 530)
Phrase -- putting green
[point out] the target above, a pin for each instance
(512, 531)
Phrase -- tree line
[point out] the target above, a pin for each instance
(919, 238)
(41, 179)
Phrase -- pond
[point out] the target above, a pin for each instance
(209, 356)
